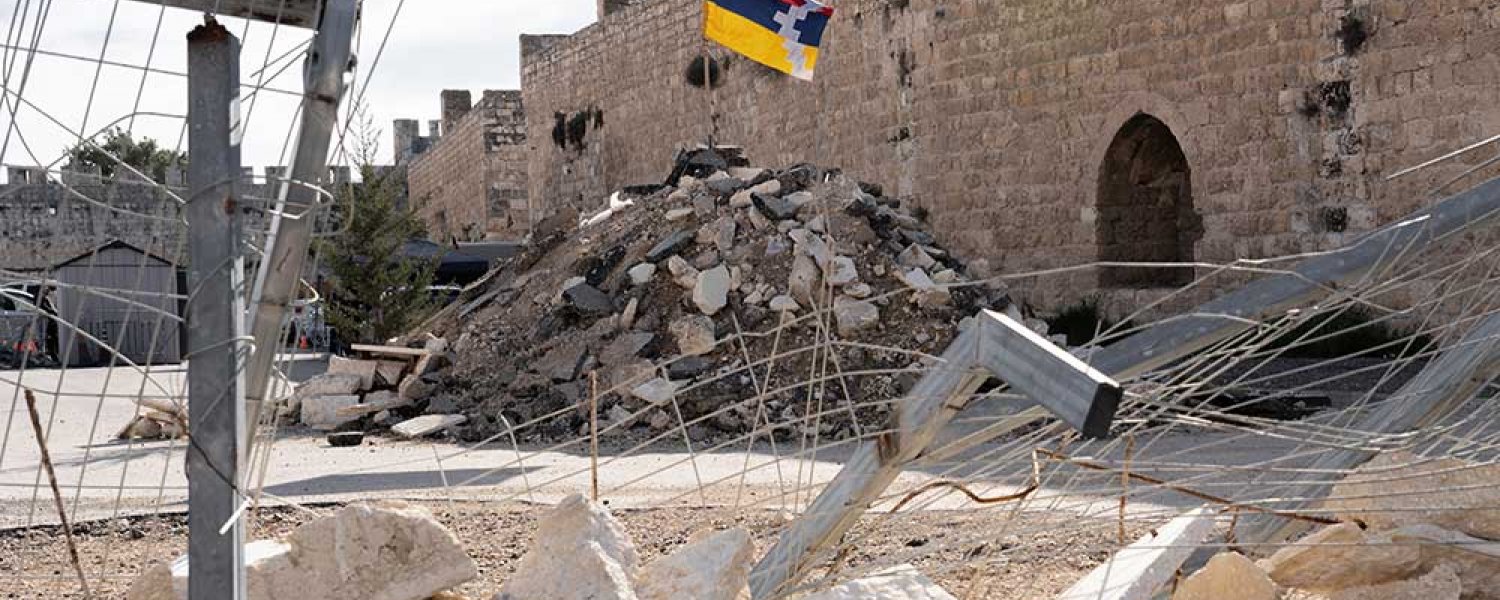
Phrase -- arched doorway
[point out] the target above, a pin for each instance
(1145, 207)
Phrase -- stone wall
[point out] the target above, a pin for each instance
(44, 221)
(999, 117)
(472, 184)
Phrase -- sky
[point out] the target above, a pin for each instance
(433, 45)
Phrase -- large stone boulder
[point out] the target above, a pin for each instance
(1397, 489)
(714, 568)
(376, 551)
(579, 553)
(903, 582)
(1340, 557)
(1438, 584)
(1227, 576)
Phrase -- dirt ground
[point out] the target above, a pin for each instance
(34, 562)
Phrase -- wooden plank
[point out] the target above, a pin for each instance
(400, 351)
(1009, 350)
(1136, 572)
(1078, 394)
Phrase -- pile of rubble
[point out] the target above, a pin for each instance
(1413, 529)
(642, 302)
(387, 389)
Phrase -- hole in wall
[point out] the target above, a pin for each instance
(694, 72)
(1334, 98)
(1145, 207)
(1352, 33)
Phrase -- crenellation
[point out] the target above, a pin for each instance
(472, 184)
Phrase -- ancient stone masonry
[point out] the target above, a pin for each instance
(471, 184)
(1043, 133)
(46, 219)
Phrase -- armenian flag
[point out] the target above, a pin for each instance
(781, 34)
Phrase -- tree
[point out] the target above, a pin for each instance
(121, 147)
(377, 291)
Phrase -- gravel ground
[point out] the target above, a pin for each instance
(34, 563)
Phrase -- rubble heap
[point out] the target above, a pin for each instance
(642, 300)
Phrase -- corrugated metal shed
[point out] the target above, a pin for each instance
(109, 293)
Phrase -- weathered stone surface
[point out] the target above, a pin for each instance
(1227, 576)
(689, 367)
(678, 214)
(364, 369)
(1441, 583)
(854, 315)
(915, 256)
(627, 316)
(859, 291)
(641, 274)
(589, 300)
(579, 552)
(670, 245)
(1339, 557)
(327, 385)
(389, 372)
(903, 582)
(711, 293)
(775, 209)
(840, 271)
(378, 551)
(625, 348)
(694, 334)
(1477, 561)
(784, 303)
(323, 412)
(714, 568)
(741, 199)
(723, 233)
(656, 392)
(563, 363)
(928, 292)
(803, 280)
(1396, 489)
(684, 274)
(427, 425)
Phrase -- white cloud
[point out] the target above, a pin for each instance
(434, 45)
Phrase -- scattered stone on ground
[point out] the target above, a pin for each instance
(579, 552)
(387, 550)
(1227, 576)
(903, 582)
(716, 567)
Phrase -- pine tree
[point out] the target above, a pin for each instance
(377, 292)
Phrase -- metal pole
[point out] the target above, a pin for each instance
(327, 62)
(215, 315)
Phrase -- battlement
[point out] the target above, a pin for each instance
(17, 175)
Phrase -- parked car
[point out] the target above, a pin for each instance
(24, 327)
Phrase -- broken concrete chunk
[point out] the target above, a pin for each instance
(627, 316)
(859, 291)
(757, 220)
(695, 334)
(327, 384)
(854, 315)
(579, 553)
(1148, 564)
(723, 233)
(803, 280)
(656, 392)
(641, 274)
(1227, 576)
(689, 367)
(364, 369)
(928, 293)
(840, 271)
(775, 209)
(678, 214)
(915, 256)
(625, 348)
(1396, 489)
(711, 293)
(563, 363)
(1339, 557)
(1477, 561)
(714, 568)
(323, 412)
(784, 303)
(670, 245)
(389, 372)
(770, 187)
(386, 550)
(741, 199)
(903, 582)
(426, 425)
(589, 300)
